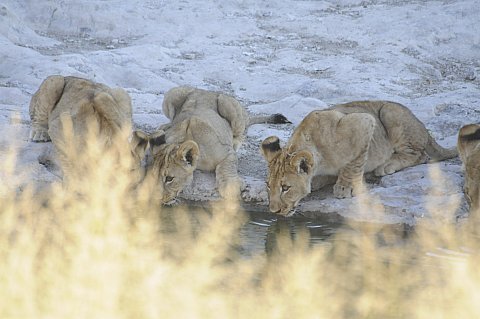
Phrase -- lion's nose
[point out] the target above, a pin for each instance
(275, 207)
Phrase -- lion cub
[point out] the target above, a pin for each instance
(170, 166)
(217, 123)
(82, 117)
(469, 150)
(346, 140)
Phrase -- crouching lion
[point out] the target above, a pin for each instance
(469, 150)
(216, 123)
(170, 166)
(81, 117)
(346, 140)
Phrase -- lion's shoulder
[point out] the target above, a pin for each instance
(468, 140)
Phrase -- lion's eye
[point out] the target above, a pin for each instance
(169, 179)
(285, 188)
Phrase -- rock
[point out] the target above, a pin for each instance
(470, 75)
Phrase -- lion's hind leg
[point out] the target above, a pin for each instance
(407, 136)
(404, 156)
(41, 105)
(174, 99)
(232, 111)
(117, 115)
(123, 100)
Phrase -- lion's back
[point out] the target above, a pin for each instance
(93, 109)
(214, 120)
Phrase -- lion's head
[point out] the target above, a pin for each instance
(289, 175)
(171, 167)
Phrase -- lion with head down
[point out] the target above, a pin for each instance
(216, 123)
(170, 166)
(346, 140)
(83, 118)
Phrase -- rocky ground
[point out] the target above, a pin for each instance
(274, 56)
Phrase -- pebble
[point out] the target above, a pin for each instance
(470, 75)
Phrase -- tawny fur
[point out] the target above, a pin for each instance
(77, 114)
(171, 166)
(346, 141)
(469, 150)
(217, 123)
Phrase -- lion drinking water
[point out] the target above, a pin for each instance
(346, 140)
(171, 166)
(80, 117)
(216, 123)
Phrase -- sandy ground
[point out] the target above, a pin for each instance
(274, 56)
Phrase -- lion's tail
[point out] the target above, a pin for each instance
(268, 119)
(437, 152)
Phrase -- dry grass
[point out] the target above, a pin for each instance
(99, 250)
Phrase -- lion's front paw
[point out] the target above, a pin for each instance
(39, 135)
(342, 191)
(231, 189)
(383, 170)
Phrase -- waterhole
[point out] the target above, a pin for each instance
(260, 233)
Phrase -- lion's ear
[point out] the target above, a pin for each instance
(303, 162)
(156, 140)
(139, 143)
(270, 147)
(188, 153)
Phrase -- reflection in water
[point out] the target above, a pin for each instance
(263, 231)
(335, 264)
(260, 232)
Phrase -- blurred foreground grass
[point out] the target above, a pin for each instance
(99, 250)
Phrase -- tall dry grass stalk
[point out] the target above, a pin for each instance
(98, 249)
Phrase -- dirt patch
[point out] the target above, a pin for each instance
(81, 43)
